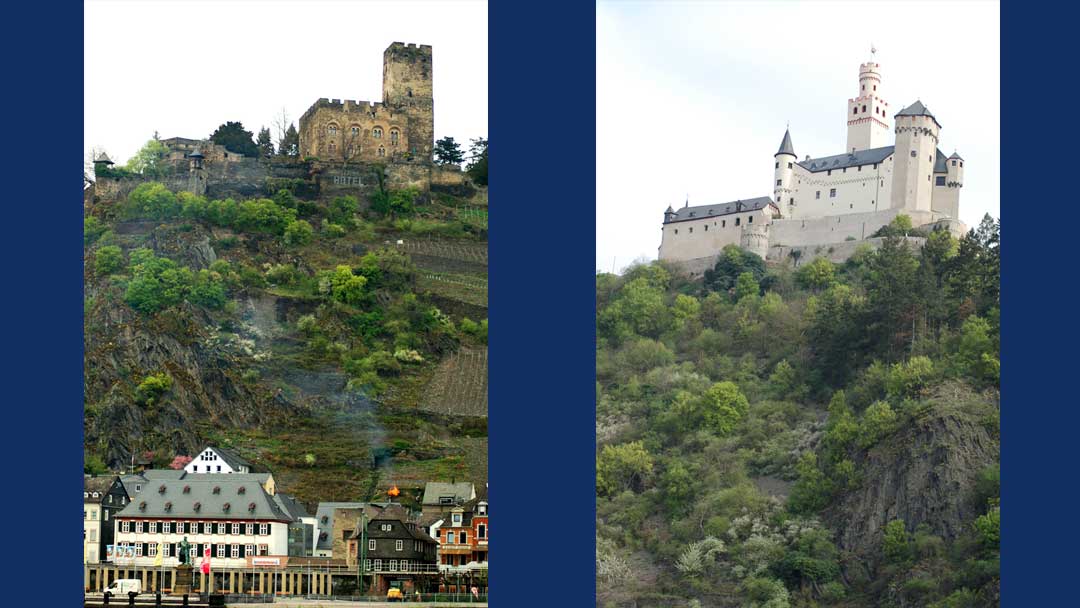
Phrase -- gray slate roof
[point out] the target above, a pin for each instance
(289, 505)
(174, 502)
(700, 211)
(785, 146)
(850, 159)
(918, 109)
(104, 158)
(955, 155)
(940, 166)
(461, 491)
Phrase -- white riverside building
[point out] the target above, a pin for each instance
(826, 206)
(234, 517)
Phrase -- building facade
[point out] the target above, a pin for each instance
(217, 460)
(463, 536)
(103, 498)
(827, 201)
(233, 519)
(395, 550)
(398, 128)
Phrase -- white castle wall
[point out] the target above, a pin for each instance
(839, 228)
(835, 252)
(858, 190)
(706, 236)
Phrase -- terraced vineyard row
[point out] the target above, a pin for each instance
(468, 252)
(460, 385)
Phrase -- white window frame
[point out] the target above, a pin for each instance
(393, 565)
(166, 527)
(125, 526)
(264, 529)
(399, 545)
(378, 565)
(152, 550)
(221, 550)
(264, 549)
(236, 528)
(234, 551)
(249, 529)
(166, 549)
(138, 527)
(221, 527)
(138, 549)
(153, 527)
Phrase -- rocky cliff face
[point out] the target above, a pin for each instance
(924, 473)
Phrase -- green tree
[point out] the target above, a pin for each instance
(623, 467)
(896, 542)
(108, 260)
(152, 388)
(236, 139)
(93, 464)
(152, 200)
(344, 286)
(877, 421)
(477, 168)
(289, 145)
(265, 144)
(298, 233)
(93, 228)
(149, 160)
(817, 275)
(448, 152)
(746, 286)
(733, 262)
(724, 406)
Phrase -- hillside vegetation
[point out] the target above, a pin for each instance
(819, 436)
(300, 333)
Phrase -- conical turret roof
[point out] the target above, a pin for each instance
(103, 158)
(918, 109)
(785, 146)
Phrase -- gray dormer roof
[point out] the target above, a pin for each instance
(229, 457)
(785, 146)
(918, 109)
(166, 498)
(324, 521)
(460, 492)
(851, 159)
(703, 211)
(103, 158)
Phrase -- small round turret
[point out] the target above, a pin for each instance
(783, 174)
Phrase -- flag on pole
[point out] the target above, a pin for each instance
(206, 560)
(159, 560)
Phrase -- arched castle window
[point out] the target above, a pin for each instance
(332, 147)
(377, 132)
(864, 108)
(331, 129)
(382, 151)
(355, 130)
(855, 110)
(394, 137)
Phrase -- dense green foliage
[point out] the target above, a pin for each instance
(236, 139)
(448, 152)
(477, 167)
(732, 413)
(148, 161)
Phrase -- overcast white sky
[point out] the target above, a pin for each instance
(692, 98)
(183, 68)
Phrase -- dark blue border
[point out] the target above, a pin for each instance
(1040, 422)
(42, 303)
(542, 379)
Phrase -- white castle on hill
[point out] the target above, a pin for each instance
(826, 206)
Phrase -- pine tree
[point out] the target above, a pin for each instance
(266, 146)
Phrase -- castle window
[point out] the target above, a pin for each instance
(875, 87)
(954, 163)
(751, 219)
(778, 164)
(941, 180)
(817, 195)
(864, 108)
(830, 172)
(377, 132)
(737, 221)
(723, 223)
(382, 151)
(961, 163)
(832, 192)
(855, 110)
(393, 137)
(912, 154)
(789, 165)
(331, 129)
(676, 231)
(355, 131)
(706, 227)
(875, 165)
(777, 182)
(691, 230)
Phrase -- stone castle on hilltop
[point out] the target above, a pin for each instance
(828, 205)
(345, 147)
(400, 127)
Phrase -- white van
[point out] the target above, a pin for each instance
(121, 587)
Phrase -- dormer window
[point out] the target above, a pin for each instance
(187, 489)
(161, 489)
(217, 490)
(197, 506)
(241, 490)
